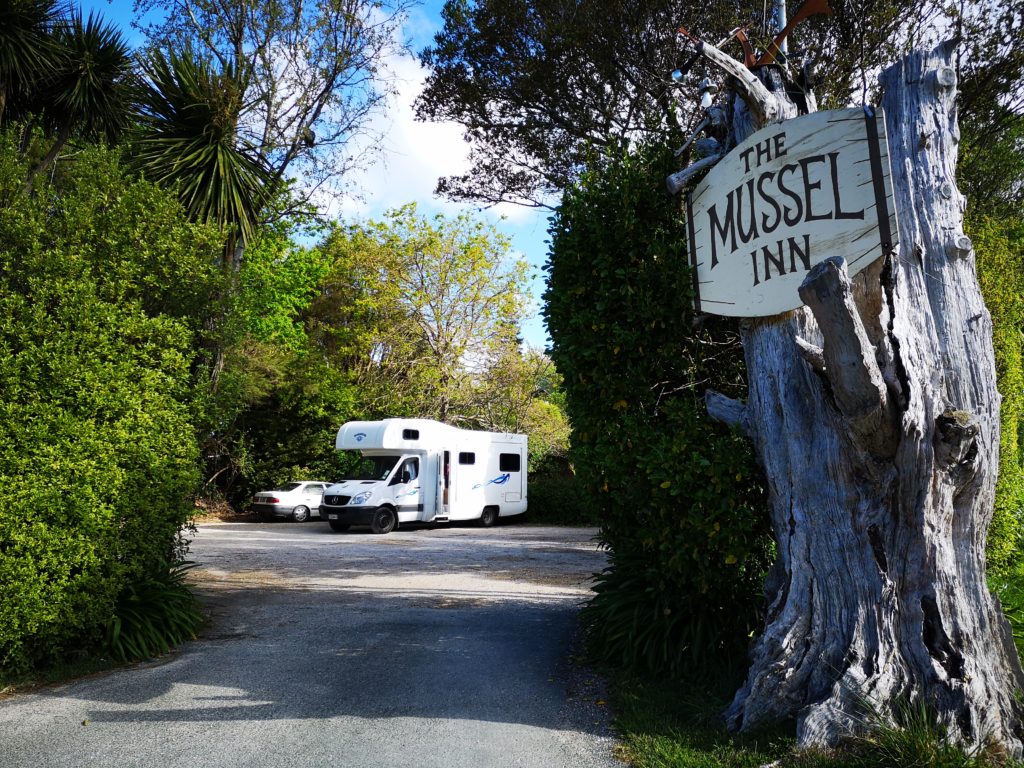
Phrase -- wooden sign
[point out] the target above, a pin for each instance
(793, 194)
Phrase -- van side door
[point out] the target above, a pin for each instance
(407, 491)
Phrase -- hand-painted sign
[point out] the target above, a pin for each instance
(793, 194)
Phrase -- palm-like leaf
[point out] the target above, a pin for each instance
(188, 140)
(90, 87)
(28, 51)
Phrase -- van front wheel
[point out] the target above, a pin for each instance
(489, 517)
(384, 520)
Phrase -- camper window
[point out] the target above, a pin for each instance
(467, 458)
(508, 462)
(410, 434)
(408, 472)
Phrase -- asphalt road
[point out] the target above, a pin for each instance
(432, 647)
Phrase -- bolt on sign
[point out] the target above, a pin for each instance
(793, 194)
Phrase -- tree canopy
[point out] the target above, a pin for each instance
(440, 303)
(546, 89)
(311, 75)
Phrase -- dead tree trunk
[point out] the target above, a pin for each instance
(875, 414)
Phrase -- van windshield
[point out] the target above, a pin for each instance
(372, 468)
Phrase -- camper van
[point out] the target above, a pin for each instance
(419, 470)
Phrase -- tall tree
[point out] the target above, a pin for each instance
(422, 309)
(544, 88)
(188, 113)
(89, 90)
(991, 67)
(314, 75)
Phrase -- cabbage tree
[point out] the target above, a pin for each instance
(188, 111)
(87, 89)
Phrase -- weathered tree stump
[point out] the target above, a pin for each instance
(875, 415)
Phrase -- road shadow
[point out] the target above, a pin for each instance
(352, 637)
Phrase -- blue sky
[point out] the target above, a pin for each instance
(415, 155)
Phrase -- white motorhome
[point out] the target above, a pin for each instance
(422, 470)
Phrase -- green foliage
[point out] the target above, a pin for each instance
(278, 402)
(679, 498)
(999, 245)
(98, 456)
(555, 498)
(188, 112)
(1008, 585)
(548, 430)
(278, 282)
(405, 317)
(154, 615)
(990, 169)
(90, 87)
(28, 53)
(424, 313)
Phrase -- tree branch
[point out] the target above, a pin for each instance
(727, 410)
(849, 359)
(759, 99)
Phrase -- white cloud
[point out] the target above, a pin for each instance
(414, 155)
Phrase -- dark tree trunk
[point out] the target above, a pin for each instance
(875, 414)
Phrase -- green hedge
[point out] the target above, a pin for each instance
(680, 500)
(999, 245)
(556, 498)
(101, 281)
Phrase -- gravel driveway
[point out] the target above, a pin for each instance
(430, 647)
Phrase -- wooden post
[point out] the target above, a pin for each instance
(875, 416)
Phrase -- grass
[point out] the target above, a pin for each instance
(1008, 586)
(664, 724)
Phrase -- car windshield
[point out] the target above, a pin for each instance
(372, 468)
(288, 487)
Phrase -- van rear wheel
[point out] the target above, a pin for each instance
(384, 520)
(489, 517)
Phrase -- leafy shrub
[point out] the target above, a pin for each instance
(555, 498)
(999, 245)
(680, 499)
(154, 615)
(101, 287)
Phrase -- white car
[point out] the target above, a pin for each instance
(299, 501)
